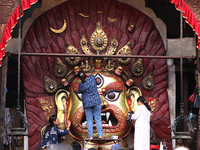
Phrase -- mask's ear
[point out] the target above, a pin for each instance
(133, 94)
(61, 99)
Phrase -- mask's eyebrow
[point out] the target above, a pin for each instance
(118, 86)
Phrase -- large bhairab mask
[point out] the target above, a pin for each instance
(94, 27)
(114, 108)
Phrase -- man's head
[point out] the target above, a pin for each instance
(82, 76)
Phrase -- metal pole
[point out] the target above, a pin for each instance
(109, 56)
(181, 61)
(19, 56)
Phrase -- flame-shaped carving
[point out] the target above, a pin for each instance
(72, 50)
(126, 50)
(113, 46)
(50, 85)
(84, 46)
(98, 39)
(148, 82)
(60, 69)
(137, 69)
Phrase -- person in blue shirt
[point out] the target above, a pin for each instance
(53, 133)
(91, 103)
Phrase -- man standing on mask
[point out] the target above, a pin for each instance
(91, 103)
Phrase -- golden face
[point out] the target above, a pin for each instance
(114, 108)
(98, 63)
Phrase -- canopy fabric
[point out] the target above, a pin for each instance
(13, 20)
(189, 17)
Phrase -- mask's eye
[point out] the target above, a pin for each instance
(99, 80)
(112, 95)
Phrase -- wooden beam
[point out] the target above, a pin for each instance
(3, 80)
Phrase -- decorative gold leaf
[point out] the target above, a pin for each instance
(112, 19)
(100, 12)
(85, 16)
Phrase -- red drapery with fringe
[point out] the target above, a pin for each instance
(13, 20)
(189, 18)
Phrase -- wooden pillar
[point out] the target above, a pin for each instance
(3, 80)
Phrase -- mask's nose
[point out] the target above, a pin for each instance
(104, 103)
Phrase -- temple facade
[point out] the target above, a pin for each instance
(132, 47)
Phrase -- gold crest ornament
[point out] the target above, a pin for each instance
(126, 50)
(98, 39)
(84, 45)
(60, 69)
(148, 82)
(61, 29)
(137, 69)
(50, 85)
(72, 50)
(113, 46)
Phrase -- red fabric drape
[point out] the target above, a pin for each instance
(189, 17)
(13, 20)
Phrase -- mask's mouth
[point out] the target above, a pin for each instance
(108, 120)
